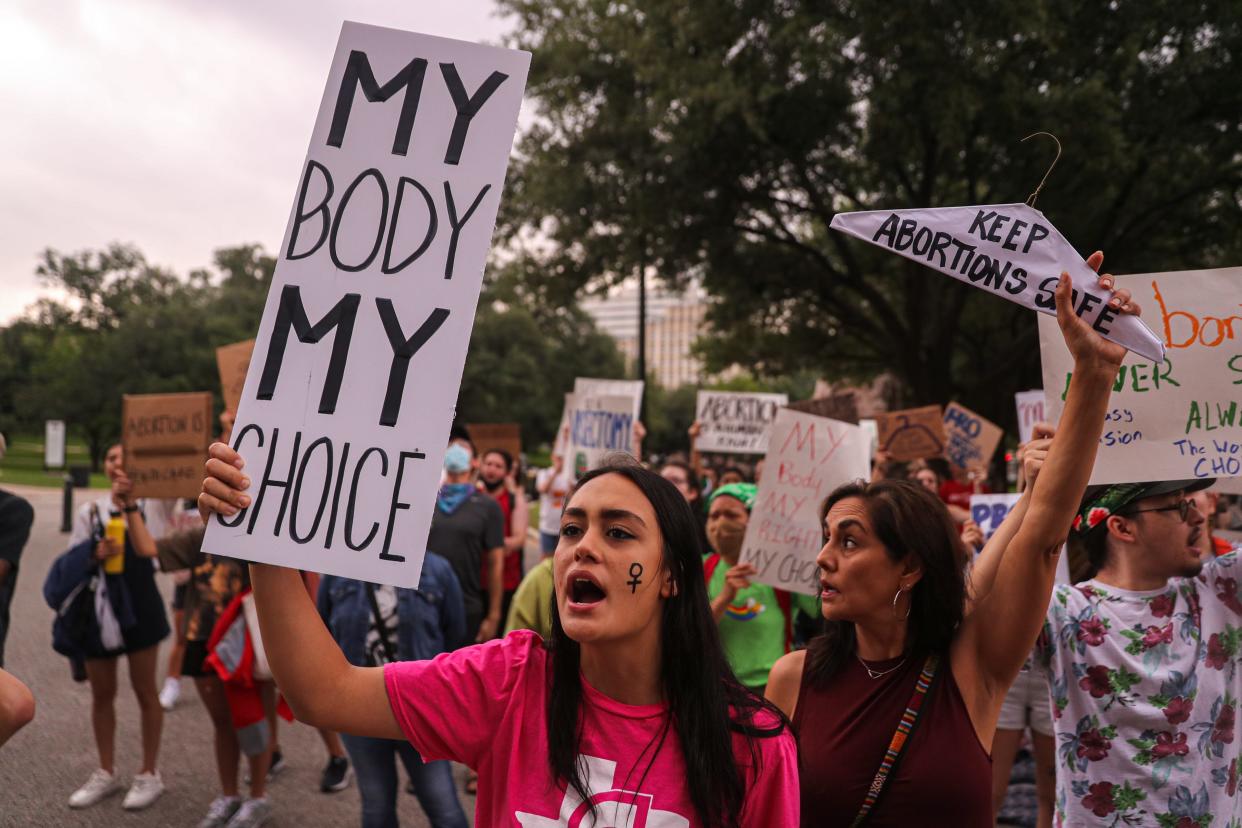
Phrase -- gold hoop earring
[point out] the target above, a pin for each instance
(908, 609)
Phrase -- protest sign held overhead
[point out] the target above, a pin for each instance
(598, 427)
(990, 510)
(504, 436)
(807, 458)
(344, 419)
(1182, 418)
(588, 387)
(1009, 250)
(165, 439)
(1030, 411)
(843, 407)
(970, 440)
(233, 361)
(736, 423)
(912, 434)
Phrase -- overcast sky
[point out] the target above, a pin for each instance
(177, 125)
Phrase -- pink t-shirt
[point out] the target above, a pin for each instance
(485, 706)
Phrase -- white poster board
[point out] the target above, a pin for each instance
(807, 458)
(735, 423)
(990, 510)
(589, 387)
(54, 444)
(598, 427)
(1180, 419)
(1030, 411)
(1009, 250)
(345, 413)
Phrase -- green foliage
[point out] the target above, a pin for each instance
(718, 141)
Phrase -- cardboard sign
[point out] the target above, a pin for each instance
(912, 434)
(598, 427)
(233, 361)
(843, 407)
(503, 436)
(736, 423)
(990, 510)
(165, 439)
(345, 416)
(587, 387)
(807, 458)
(1182, 418)
(970, 439)
(1030, 411)
(1010, 250)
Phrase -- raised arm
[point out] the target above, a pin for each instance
(323, 688)
(996, 638)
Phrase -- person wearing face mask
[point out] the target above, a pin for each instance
(756, 621)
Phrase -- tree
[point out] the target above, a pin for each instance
(718, 141)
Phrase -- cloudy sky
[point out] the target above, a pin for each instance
(177, 125)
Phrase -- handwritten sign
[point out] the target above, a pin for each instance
(1030, 411)
(807, 458)
(503, 436)
(1182, 418)
(1010, 250)
(990, 510)
(912, 434)
(734, 422)
(165, 439)
(345, 416)
(843, 407)
(588, 387)
(598, 427)
(233, 361)
(970, 440)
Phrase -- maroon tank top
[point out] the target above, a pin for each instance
(944, 777)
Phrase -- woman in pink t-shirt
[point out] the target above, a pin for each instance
(628, 715)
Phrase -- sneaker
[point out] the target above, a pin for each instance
(101, 785)
(335, 775)
(146, 788)
(170, 693)
(221, 810)
(251, 814)
(278, 764)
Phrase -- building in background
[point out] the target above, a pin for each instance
(674, 321)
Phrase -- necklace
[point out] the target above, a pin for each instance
(875, 674)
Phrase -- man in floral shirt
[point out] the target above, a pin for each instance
(1143, 664)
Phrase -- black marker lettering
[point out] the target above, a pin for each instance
(358, 73)
(402, 351)
(292, 314)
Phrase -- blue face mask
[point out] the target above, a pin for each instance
(457, 459)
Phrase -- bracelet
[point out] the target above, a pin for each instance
(129, 510)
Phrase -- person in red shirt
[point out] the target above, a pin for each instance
(496, 478)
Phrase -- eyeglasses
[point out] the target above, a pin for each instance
(1182, 507)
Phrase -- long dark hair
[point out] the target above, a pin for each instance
(908, 520)
(706, 703)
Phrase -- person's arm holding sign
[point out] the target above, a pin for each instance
(995, 638)
(135, 526)
(323, 688)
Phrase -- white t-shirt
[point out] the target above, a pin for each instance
(552, 503)
(157, 513)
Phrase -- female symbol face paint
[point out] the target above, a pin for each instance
(636, 569)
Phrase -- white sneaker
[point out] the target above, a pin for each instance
(146, 789)
(170, 693)
(221, 810)
(101, 784)
(252, 814)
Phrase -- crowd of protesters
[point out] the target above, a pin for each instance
(639, 675)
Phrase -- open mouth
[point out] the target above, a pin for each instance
(585, 591)
(828, 591)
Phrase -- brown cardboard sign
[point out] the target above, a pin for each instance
(165, 439)
(842, 407)
(233, 361)
(912, 434)
(971, 440)
(504, 436)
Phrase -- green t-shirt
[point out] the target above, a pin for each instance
(531, 608)
(752, 628)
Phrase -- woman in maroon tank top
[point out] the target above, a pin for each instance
(898, 607)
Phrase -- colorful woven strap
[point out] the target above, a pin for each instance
(900, 737)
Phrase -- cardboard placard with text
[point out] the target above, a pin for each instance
(598, 427)
(807, 458)
(911, 434)
(589, 387)
(735, 423)
(504, 436)
(165, 439)
(345, 415)
(233, 361)
(1181, 418)
(970, 439)
(843, 407)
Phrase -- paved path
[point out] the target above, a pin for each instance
(55, 754)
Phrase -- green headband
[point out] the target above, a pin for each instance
(745, 492)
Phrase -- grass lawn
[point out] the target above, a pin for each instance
(23, 463)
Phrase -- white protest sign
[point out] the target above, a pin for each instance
(735, 423)
(1182, 418)
(345, 413)
(872, 429)
(807, 458)
(1030, 411)
(598, 427)
(1010, 250)
(54, 444)
(588, 387)
(990, 510)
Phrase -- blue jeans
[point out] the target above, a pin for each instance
(377, 783)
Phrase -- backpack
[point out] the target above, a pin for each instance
(783, 599)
